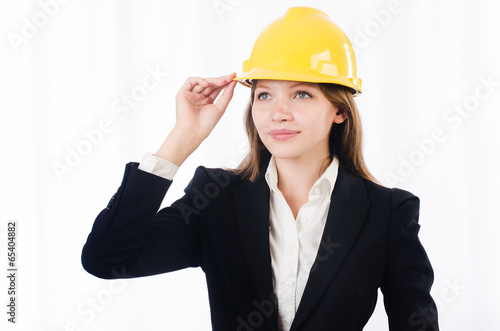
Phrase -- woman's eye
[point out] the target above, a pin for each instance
(264, 96)
(303, 95)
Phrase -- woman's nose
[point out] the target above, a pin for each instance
(281, 111)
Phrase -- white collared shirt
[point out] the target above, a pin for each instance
(294, 243)
(158, 166)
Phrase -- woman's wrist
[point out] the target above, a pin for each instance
(178, 145)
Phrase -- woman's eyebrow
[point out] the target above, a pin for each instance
(261, 86)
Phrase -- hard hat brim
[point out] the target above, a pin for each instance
(294, 74)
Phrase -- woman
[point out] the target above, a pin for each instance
(299, 236)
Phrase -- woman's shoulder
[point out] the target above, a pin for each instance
(216, 176)
(374, 189)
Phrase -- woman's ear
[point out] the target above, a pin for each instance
(340, 116)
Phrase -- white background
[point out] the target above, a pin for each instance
(64, 69)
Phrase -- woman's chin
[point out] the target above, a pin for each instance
(284, 153)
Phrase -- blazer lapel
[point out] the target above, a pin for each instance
(348, 209)
(252, 218)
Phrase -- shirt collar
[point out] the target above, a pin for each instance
(323, 185)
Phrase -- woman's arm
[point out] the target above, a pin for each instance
(409, 276)
(130, 238)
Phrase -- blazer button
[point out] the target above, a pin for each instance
(111, 202)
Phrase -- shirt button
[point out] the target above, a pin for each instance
(287, 321)
(317, 190)
(147, 161)
(289, 284)
(303, 220)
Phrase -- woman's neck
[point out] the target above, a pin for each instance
(296, 178)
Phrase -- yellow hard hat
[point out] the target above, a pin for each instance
(304, 45)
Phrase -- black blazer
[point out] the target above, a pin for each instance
(221, 224)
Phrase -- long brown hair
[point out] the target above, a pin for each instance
(345, 138)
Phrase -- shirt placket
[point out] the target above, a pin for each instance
(288, 271)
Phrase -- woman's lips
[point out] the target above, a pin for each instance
(283, 134)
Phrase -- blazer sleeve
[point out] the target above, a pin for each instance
(408, 276)
(131, 238)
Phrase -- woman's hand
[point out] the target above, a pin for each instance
(197, 113)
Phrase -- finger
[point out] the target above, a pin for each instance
(226, 97)
(199, 88)
(216, 92)
(209, 90)
(214, 83)
(192, 82)
(222, 80)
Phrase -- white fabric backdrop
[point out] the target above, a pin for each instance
(88, 86)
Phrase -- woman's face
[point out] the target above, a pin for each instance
(294, 119)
